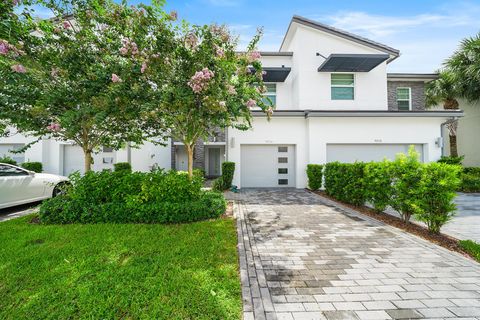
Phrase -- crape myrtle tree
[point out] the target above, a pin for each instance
(86, 75)
(209, 85)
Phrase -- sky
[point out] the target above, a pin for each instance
(425, 31)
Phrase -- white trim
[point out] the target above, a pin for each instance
(217, 143)
(409, 97)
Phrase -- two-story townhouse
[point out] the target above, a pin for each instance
(334, 101)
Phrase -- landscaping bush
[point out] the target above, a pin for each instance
(344, 181)
(33, 166)
(228, 169)
(8, 160)
(122, 166)
(225, 181)
(407, 193)
(379, 184)
(119, 197)
(315, 176)
(470, 182)
(451, 160)
(471, 247)
(437, 187)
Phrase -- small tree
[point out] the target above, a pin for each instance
(406, 186)
(210, 86)
(86, 77)
(445, 90)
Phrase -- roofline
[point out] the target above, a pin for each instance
(413, 76)
(343, 34)
(363, 113)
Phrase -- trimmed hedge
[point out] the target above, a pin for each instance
(225, 181)
(8, 160)
(33, 166)
(315, 176)
(123, 197)
(470, 179)
(409, 186)
(122, 166)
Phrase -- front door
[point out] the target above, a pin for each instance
(214, 161)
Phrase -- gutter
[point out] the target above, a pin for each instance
(364, 113)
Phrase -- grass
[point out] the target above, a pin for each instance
(125, 271)
(471, 247)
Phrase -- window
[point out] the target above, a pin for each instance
(9, 171)
(404, 99)
(282, 149)
(270, 94)
(343, 86)
(282, 160)
(282, 171)
(282, 181)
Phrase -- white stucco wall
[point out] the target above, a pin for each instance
(311, 136)
(468, 134)
(312, 89)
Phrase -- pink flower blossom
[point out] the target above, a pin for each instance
(222, 104)
(116, 78)
(231, 89)
(66, 25)
(251, 103)
(270, 111)
(220, 53)
(191, 40)
(18, 68)
(123, 51)
(199, 81)
(128, 45)
(253, 56)
(144, 67)
(173, 15)
(54, 127)
(3, 47)
(56, 30)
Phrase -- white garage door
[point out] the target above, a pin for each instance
(6, 151)
(72, 159)
(349, 153)
(269, 166)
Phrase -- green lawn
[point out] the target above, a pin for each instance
(125, 271)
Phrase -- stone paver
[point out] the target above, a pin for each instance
(306, 257)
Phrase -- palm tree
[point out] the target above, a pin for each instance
(444, 90)
(465, 65)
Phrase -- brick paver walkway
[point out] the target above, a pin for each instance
(303, 258)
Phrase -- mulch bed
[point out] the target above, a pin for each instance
(440, 239)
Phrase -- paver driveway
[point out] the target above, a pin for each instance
(302, 258)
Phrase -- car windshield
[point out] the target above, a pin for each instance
(8, 171)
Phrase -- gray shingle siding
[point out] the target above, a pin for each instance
(417, 90)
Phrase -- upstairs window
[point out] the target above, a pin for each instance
(270, 94)
(343, 86)
(404, 99)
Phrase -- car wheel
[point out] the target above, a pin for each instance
(59, 189)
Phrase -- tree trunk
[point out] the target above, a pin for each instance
(453, 146)
(190, 149)
(88, 160)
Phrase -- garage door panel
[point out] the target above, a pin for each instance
(349, 153)
(269, 166)
(7, 148)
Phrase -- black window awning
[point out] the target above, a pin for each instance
(352, 62)
(274, 74)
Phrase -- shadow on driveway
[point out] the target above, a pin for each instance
(18, 211)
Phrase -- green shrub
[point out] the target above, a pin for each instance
(407, 193)
(119, 197)
(344, 181)
(315, 176)
(379, 184)
(199, 172)
(451, 160)
(438, 185)
(122, 166)
(218, 185)
(33, 166)
(8, 160)
(472, 170)
(470, 182)
(471, 247)
(228, 169)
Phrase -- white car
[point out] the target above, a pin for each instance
(19, 186)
